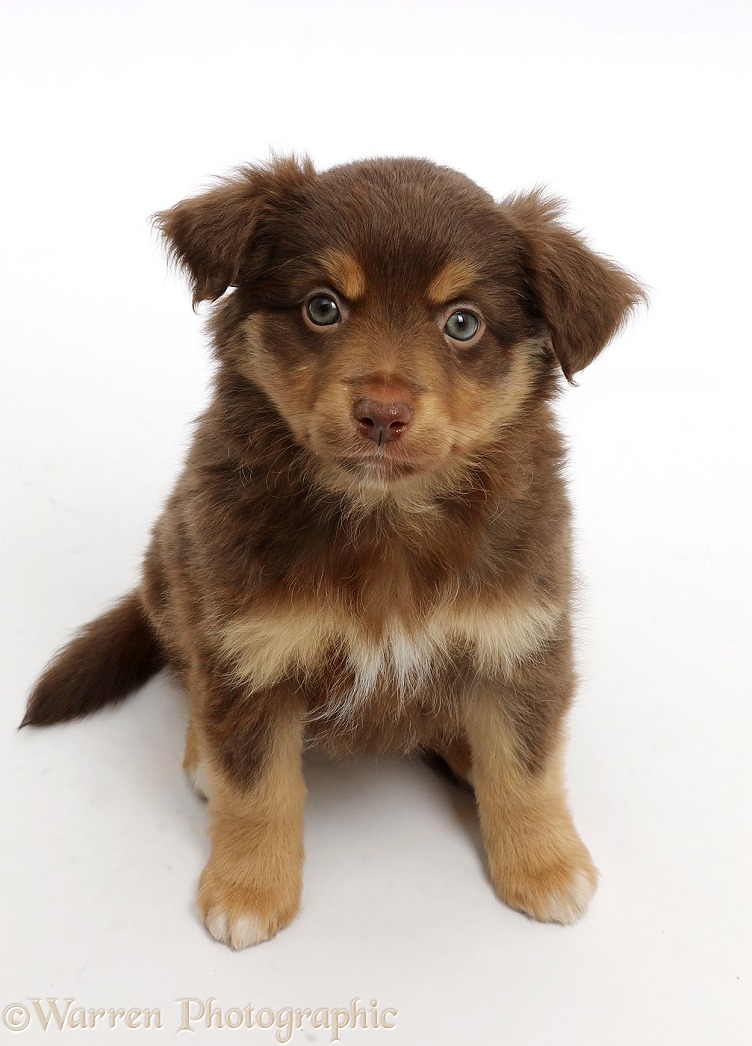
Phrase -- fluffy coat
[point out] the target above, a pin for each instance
(369, 547)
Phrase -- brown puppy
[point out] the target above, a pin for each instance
(369, 547)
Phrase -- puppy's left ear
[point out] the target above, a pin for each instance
(218, 237)
(584, 298)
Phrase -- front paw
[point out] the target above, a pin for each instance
(241, 915)
(551, 883)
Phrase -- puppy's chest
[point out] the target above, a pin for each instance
(352, 651)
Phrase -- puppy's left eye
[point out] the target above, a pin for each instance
(463, 325)
(322, 311)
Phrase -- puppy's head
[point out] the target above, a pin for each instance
(396, 317)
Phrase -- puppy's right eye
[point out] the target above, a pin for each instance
(322, 311)
(463, 326)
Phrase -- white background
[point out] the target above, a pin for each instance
(639, 114)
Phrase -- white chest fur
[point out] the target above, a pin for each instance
(270, 644)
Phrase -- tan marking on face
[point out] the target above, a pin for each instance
(538, 863)
(252, 883)
(290, 389)
(480, 412)
(452, 282)
(345, 274)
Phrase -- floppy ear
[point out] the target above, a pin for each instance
(213, 236)
(583, 297)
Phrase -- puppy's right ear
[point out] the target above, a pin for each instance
(583, 297)
(213, 236)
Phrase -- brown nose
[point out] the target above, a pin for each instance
(380, 420)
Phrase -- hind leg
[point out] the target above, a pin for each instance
(194, 763)
(456, 757)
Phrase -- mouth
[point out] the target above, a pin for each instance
(378, 467)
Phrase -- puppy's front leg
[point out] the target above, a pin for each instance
(251, 754)
(537, 861)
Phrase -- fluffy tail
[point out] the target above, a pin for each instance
(105, 661)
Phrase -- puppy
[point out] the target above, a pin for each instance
(369, 547)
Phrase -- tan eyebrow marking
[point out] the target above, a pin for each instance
(452, 282)
(345, 273)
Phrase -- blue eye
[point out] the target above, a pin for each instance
(462, 325)
(322, 310)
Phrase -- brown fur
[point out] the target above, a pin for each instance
(369, 547)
